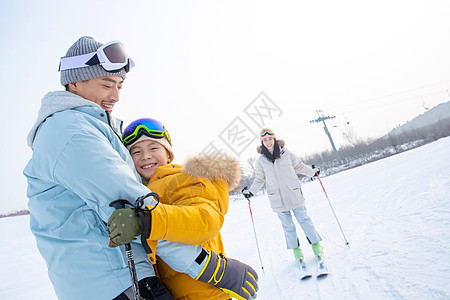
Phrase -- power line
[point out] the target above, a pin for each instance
(409, 98)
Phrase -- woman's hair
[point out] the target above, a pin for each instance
(271, 156)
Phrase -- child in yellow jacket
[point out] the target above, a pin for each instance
(196, 198)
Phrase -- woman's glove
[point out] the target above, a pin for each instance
(230, 275)
(247, 194)
(316, 172)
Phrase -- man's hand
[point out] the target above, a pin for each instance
(247, 194)
(123, 226)
(232, 276)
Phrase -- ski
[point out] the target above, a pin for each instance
(304, 270)
(321, 269)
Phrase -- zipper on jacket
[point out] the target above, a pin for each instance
(113, 129)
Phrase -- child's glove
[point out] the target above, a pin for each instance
(124, 225)
(247, 194)
(232, 276)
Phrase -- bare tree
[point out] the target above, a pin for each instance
(251, 162)
(347, 133)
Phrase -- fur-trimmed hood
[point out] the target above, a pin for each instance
(281, 143)
(213, 167)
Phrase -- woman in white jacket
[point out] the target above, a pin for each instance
(277, 167)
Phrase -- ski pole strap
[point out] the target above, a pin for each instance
(145, 233)
(118, 204)
(146, 220)
(140, 201)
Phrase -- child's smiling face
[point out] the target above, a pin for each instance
(147, 156)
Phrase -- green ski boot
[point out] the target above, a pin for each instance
(298, 253)
(317, 249)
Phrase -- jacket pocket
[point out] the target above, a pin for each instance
(275, 198)
(95, 223)
(295, 189)
(98, 235)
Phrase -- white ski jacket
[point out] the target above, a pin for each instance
(283, 185)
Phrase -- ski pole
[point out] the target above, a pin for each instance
(117, 204)
(254, 231)
(346, 242)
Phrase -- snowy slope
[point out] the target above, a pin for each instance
(395, 213)
(436, 114)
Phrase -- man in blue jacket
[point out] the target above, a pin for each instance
(78, 167)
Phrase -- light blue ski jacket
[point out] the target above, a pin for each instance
(78, 167)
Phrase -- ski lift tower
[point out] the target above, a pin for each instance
(322, 119)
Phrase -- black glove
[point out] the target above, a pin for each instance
(247, 194)
(232, 276)
(316, 172)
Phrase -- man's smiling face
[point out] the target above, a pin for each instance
(104, 91)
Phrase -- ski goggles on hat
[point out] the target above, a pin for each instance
(111, 56)
(149, 127)
(266, 131)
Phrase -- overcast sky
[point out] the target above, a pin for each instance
(211, 70)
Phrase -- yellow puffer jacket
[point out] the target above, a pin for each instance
(198, 192)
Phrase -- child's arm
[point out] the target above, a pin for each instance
(196, 214)
(195, 225)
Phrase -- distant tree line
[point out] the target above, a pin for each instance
(362, 151)
(16, 213)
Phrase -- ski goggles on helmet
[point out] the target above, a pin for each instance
(266, 131)
(111, 56)
(149, 127)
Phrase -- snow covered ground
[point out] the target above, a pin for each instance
(395, 213)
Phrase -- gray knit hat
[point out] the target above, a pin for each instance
(85, 45)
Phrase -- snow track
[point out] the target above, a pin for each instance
(395, 213)
(396, 216)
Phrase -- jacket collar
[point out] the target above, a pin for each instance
(57, 101)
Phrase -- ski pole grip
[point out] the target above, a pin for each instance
(118, 204)
(247, 197)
